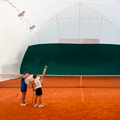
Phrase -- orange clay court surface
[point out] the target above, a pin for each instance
(63, 99)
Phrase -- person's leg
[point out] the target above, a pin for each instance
(40, 105)
(35, 105)
(39, 99)
(23, 97)
(36, 99)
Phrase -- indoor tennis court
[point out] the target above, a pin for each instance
(64, 98)
(59, 59)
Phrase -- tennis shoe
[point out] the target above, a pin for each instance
(35, 105)
(40, 105)
(23, 104)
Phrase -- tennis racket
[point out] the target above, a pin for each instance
(19, 95)
(28, 80)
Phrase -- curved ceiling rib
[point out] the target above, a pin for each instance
(7, 9)
(38, 12)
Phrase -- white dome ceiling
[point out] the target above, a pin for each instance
(78, 24)
(15, 35)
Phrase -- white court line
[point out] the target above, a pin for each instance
(8, 96)
(81, 89)
(102, 101)
(82, 95)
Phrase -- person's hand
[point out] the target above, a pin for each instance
(25, 76)
(40, 76)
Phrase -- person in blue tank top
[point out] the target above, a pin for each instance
(23, 87)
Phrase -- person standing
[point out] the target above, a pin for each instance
(38, 83)
(24, 88)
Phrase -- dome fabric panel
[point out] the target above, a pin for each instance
(79, 24)
(15, 35)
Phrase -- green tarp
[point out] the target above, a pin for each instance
(72, 59)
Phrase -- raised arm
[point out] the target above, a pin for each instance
(42, 76)
(24, 76)
(41, 80)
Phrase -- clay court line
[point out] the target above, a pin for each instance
(81, 88)
(82, 95)
(8, 96)
(102, 101)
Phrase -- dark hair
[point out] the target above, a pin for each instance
(26, 72)
(34, 76)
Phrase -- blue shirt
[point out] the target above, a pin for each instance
(23, 84)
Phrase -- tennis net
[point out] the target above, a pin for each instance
(14, 80)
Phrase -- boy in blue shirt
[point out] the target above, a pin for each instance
(24, 88)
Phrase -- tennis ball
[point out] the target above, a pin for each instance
(46, 66)
(34, 89)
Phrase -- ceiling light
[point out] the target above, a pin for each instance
(21, 15)
(32, 28)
